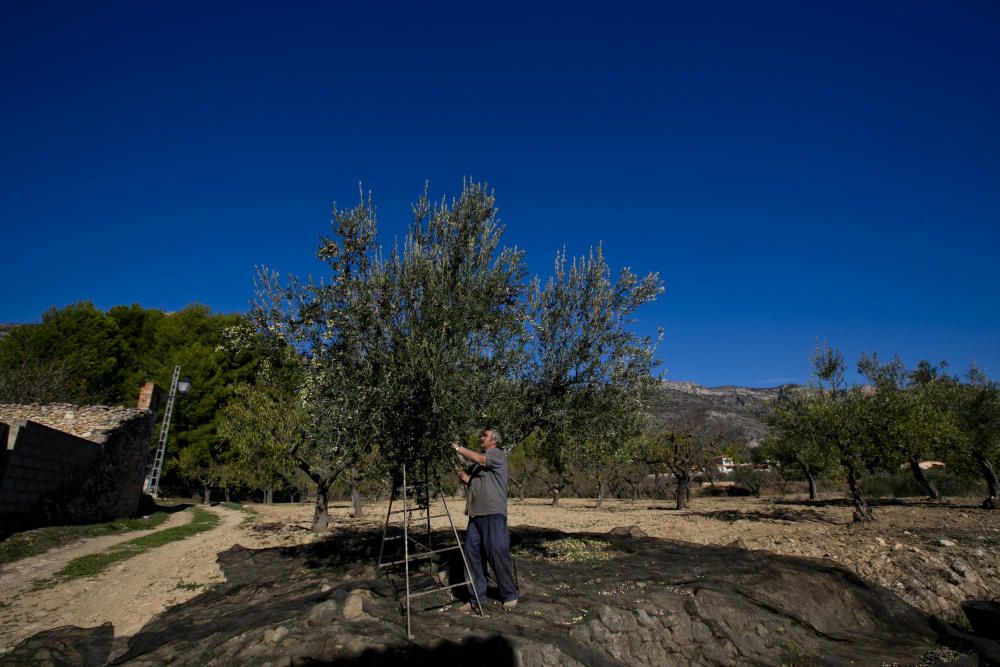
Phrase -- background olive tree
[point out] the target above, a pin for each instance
(590, 375)
(797, 439)
(976, 406)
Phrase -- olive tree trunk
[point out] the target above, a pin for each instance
(321, 513)
(862, 512)
(356, 497)
(811, 478)
(601, 487)
(923, 480)
(683, 489)
(993, 500)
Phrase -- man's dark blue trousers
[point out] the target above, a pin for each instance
(487, 541)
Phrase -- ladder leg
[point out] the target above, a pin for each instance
(406, 553)
(461, 550)
(427, 499)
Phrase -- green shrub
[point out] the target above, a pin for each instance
(902, 484)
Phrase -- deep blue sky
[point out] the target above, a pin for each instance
(793, 170)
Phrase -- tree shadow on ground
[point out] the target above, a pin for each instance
(172, 509)
(275, 527)
(776, 515)
(923, 503)
(68, 645)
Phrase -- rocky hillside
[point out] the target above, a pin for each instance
(735, 414)
(7, 328)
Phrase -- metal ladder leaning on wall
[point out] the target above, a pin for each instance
(417, 508)
(152, 484)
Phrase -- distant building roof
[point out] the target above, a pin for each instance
(925, 465)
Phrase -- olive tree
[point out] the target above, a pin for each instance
(322, 326)
(682, 452)
(450, 320)
(399, 349)
(641, 462)
(849, 423)
(914, 420)
(265, 424)
(797, 440)
(976, 405)
(589, 374)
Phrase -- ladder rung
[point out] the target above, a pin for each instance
(424, 554)
(420, 518)
(408, 509)
(414, 541)
(399, 537)
(438, 590)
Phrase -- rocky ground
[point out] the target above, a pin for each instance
(932, 555)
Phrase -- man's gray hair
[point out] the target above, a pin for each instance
(497, 436)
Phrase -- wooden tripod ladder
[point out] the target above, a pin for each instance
(418, 508)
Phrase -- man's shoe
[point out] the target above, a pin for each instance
(469, 608)
(509, 604)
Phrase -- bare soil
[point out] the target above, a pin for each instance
(933, 555)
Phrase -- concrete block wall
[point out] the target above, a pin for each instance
(4, 430)
(50, 476)
(38, 461)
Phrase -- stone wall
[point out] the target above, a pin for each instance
(150, 396)
(111, 486)
(91, 422)
(71, 464)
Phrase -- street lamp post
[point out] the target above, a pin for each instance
(152, 484)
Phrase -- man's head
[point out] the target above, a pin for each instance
(490, 438)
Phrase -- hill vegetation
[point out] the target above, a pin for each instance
(81, 354)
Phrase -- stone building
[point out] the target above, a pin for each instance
(62, 463)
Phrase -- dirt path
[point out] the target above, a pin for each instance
(18, 576)
(127, 594)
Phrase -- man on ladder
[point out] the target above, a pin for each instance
(487, 538)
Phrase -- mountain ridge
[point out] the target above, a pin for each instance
(728, 413)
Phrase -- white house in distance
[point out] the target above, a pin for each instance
(723, 464)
